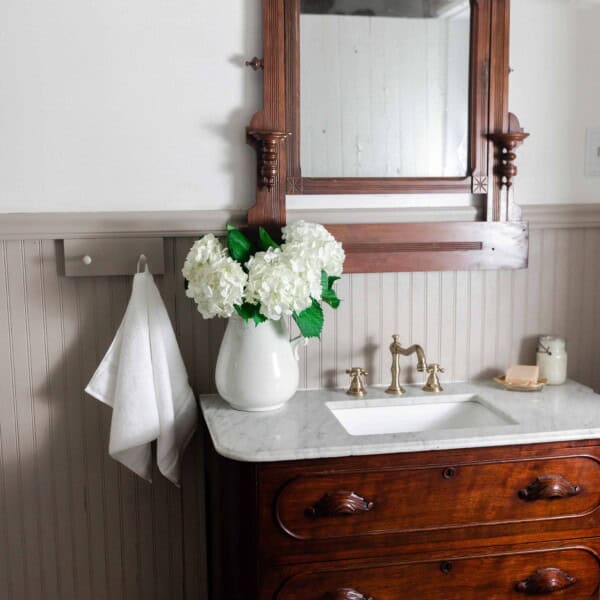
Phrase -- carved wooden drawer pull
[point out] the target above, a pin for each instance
(548, 487)
(339, 503)
(346, 594)
(545, 581)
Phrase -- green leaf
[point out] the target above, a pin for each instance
(327, 282)
(186, 284)
(328, 294)
(266, 241)
(239, 245)
(310, 321)
(330, 297)
(250, 312)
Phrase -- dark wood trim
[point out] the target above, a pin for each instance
(270, 201)
(497, 204)
(503, 246)
(394, 247)
(232, 530)
(479, 94)
(387, 185)
(292, 92)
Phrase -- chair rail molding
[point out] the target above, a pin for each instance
(562, 216)
(43, 226)
(38, 226)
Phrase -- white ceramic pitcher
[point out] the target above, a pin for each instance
(257, 366)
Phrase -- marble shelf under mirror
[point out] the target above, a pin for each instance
(306, 428)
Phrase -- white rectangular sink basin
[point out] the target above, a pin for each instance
(456, 411)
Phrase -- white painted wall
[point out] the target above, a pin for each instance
(136, 105)
(141, 105)
(555, 91)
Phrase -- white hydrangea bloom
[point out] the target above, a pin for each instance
(302, 262)
(207, 249)
(273, 282)
(215, 281)
(314, 241)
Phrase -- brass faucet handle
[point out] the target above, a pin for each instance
(357, 387)
(358, 370)
(395, 346)
(433, 381)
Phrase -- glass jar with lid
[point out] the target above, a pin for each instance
(552, 359)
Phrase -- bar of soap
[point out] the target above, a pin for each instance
(523, 375)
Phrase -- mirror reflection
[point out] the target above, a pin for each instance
(384, 88)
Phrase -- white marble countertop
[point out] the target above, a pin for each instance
(306, 428)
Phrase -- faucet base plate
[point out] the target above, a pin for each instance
(395, 390)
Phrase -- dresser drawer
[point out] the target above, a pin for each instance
(558, 573)
(341, 505)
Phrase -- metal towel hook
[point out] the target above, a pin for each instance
(142, 263)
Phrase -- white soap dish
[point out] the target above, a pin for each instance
(534, 387)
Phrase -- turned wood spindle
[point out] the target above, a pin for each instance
(506, 143)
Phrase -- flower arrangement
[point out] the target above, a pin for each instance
(267, 280)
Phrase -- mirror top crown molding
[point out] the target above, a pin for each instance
(500, 240)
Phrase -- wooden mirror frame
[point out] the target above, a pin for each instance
(500, 240)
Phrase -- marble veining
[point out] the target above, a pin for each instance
(306, 428)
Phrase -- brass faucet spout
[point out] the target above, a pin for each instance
(397, 350)
(418, 350)
(433, 382)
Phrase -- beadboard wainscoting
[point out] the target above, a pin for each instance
(74, 525)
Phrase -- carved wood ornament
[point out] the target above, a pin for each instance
(339, 503)
(268, 145)
(346, 594)
(545, 581)
(506, 143)
(549, 487)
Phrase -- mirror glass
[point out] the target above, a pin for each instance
(384, 88)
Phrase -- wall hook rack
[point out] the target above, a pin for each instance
(112, 256)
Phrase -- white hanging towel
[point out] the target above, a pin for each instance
(145, 381)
